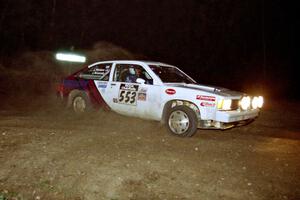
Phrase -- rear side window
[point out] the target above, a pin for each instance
(98, 72)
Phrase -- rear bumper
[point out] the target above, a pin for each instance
(236, 116)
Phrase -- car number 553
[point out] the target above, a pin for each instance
(127, 97)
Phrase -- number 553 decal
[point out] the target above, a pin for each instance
(128, 94)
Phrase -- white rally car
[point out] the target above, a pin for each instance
(157, 91)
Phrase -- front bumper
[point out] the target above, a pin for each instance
(236, 115)
(229, 119)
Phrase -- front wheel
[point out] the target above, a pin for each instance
(182, 121)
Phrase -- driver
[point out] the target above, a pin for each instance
(131, 76)
(135, 73)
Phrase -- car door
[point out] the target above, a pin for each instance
(129, 96)
(148, 101)
(121, 92)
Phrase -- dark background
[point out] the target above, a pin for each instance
(247, 45)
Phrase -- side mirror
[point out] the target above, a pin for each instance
(140, 81)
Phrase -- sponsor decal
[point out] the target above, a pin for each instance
(128, 94)
(100, 71)
(130, 87)
(102, 85)
(207, 104)
(206, 98)
(143, 90)
(115, 100)
(142, 96)
(170, 91)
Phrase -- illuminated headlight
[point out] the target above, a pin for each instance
(254, 103)
(245, 103)
(257, 102)
(224, 104)
(260, 101)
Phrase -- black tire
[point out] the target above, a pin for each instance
(80, 103)
(181, 121)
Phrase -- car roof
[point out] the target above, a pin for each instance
(130, 62)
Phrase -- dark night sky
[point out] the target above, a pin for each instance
(217, 42)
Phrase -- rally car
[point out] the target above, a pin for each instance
(157, 91)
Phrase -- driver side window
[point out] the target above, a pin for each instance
(129, 73)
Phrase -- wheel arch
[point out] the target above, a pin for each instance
(177, 102)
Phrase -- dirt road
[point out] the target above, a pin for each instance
(49, 154)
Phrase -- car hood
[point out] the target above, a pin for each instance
(210, 89)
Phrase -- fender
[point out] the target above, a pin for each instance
(176, 102)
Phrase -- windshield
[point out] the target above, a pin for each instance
(170, 74)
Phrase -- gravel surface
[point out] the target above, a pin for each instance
(48, 153)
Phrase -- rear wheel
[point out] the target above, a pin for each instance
(80, 103)
(182, 121)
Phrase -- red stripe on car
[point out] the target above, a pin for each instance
(93, 92)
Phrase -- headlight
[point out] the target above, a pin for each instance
(224, 104)
(260, 101)
(257, 102)
(254, 102)
(245, 103)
